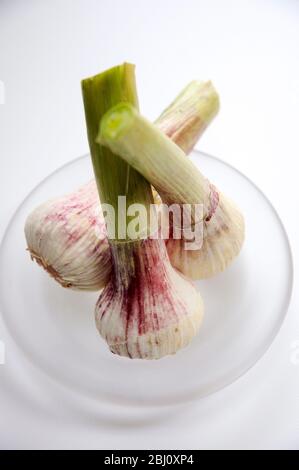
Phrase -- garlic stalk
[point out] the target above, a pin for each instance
(67, 235)
(146, 310)
(185, 120)
(177, 180)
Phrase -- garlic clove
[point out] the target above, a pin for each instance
(147, 310)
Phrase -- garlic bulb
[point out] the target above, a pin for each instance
(223, 237)
(67, 235)
(177, 180)
(147, 309)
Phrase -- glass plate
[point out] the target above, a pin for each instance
(244, 306)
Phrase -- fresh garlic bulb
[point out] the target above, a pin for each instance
(147, 310)
(223, 237)
(178, 181)
(67, 237)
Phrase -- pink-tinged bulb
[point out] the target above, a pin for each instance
(147, 310)
(67, 236)
(223, 232)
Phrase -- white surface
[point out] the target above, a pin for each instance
(250, 51)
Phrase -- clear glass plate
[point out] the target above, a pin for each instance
(244, 306)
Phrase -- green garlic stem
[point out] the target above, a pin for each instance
(113, 175)
(141, 144)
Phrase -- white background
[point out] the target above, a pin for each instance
(251, 52)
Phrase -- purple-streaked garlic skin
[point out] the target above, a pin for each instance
(67, 236)
(223, 236)
(147, 310)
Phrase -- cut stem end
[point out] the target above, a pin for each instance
(115, 123)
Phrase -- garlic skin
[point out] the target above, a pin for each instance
(67, 237)
(147, 310)
(223, 237)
